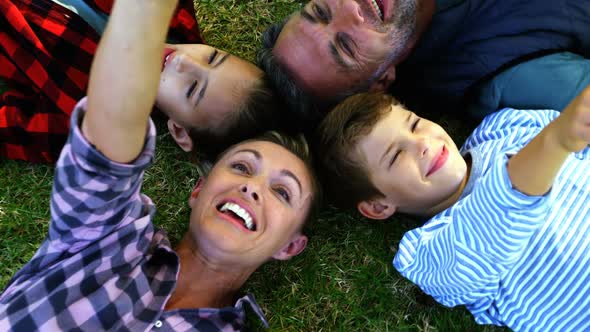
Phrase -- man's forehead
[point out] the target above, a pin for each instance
(303, 48)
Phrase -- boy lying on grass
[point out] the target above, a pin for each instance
(510, 232)
(103, 265)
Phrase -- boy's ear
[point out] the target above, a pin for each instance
(376, 208)
(180, 135)
(293, 248)
(384, 81)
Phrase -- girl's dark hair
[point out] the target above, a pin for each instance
(260, 112)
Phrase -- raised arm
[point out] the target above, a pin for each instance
(533, 169)
(125, 75)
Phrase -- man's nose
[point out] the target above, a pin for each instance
(250, 191)
(350, 14)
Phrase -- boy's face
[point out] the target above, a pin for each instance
(412, 161)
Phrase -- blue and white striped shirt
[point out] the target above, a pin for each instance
(511, 259)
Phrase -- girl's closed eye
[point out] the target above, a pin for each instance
(213, 56)
(191, 89)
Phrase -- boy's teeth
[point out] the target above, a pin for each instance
(235, 208)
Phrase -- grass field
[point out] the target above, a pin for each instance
(344, 281)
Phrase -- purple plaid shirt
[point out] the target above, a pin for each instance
(103, 266)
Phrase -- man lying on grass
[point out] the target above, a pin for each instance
(510, 232)
(103, 266)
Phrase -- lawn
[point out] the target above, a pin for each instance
(344, 281)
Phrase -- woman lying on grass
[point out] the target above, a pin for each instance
(103, 265)
(212, 99)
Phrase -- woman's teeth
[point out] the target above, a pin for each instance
(237, 210)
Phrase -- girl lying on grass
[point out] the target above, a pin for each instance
(509, 236)
(212, 99)
(103, 266)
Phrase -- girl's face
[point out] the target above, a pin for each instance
(201, 85)
(252, 205)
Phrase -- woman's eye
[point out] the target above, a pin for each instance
(283, 193)
(241, 168)
(213, 56)
(415, 124)
(320, 13)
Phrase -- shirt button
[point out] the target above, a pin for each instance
(158, 324)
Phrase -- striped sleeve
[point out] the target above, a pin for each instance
(510, 127)
(459, 255)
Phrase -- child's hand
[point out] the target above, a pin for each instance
(573, 124)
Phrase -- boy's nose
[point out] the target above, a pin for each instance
(422, 146)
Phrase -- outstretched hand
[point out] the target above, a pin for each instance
(573, 125)
(124, 77)
(533, 169)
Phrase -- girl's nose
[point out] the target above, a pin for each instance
(186, 64)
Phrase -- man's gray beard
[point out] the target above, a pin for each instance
(403, 27)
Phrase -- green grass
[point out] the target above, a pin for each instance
(344, 281)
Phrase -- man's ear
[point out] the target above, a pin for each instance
(293, 248)
(376, 208)
(384, 81)
(180, 135)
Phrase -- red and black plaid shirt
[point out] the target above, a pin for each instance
(45, 56)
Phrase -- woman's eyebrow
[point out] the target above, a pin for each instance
(256, 154)
(284, 172)
(290, 174)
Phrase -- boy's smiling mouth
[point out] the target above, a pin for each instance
(439, 160)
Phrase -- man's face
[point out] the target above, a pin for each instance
(333, 46)
(412, 161)
(252, 204)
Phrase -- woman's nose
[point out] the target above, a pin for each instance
(250, 191)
